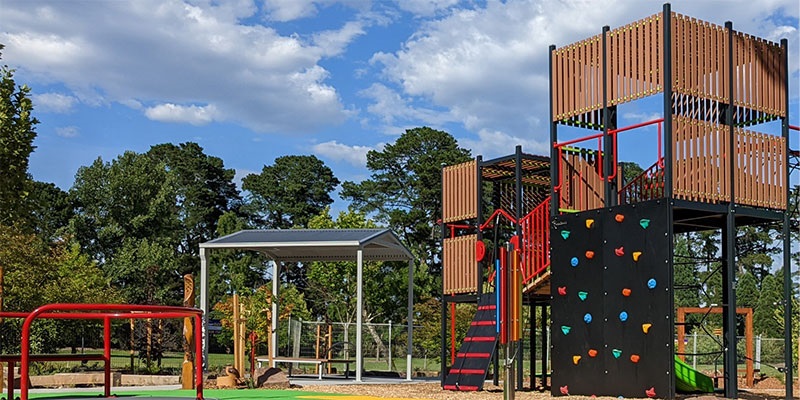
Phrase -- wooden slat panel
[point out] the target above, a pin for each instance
(459, 192)
(460, 267)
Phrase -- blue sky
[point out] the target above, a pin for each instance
(254, 80)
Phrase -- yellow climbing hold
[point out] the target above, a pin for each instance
(636, 255)
(576, 359)
(646, 327)
(589, 223)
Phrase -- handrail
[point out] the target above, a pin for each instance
(650, 173)
(536, 231)
(497, 212)
(614, 133)
(106, 312)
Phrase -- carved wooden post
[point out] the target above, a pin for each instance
(187, 375)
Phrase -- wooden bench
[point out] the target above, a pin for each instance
(12, 359)
(319, 362)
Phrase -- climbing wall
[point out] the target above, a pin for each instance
(612, 302)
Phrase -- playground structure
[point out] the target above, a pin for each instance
(598, 249)
(106, 312)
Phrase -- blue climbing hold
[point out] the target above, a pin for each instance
(574, 261)
(583, 295)
(587, 318)
(644, 222)
(565, 329)
(565, 235)
(616, 352)
(623, 316)
(651, 283)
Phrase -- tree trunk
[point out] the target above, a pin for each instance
(375, 336)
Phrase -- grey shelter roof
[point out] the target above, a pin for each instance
(316, 244)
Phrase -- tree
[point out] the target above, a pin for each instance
(763, 321)
(290, 192)
(17, 131)
(404, 190)
(50, 210)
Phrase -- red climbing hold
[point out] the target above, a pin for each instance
(564, 390)
(650, 392)
(634, 358)
(619, 218)
(626, 292)
(619, 251)
(562, 290)
(589, 254)
(592, 353)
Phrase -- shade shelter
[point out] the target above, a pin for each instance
(307, 245)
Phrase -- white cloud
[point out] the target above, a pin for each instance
(638, 117)
(354, 155)
(425, 7)
(180, 53)
(185, 114)
(53, 102)
(240, 174)
(68, 132)
(492, 144)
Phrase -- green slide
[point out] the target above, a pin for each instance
(688, 380)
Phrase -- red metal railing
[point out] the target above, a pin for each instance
(647, 186)
(106, 312)
(536, 241)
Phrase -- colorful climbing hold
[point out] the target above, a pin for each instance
(636, 255)
(634, 358)
(589, 254)
(623, 316)
(651, 283)
(626, 292)
(565, 235)
(646, 328)
(562, 290)
(650, 392)
(592, 353)
(587, 318)
(574, 261)
(564, 390)
(620, 251)
(616, 352)
(576, 359)
(644, 222)
(619, 218)
(565, 329)
(589, 223)
(583, 295)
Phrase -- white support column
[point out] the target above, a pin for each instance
(273, 335)
(204, 304)
(410, 317)
(359, 310)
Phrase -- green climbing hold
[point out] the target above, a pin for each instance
(582, 295)
(565, 235)
(616, 352)
(565, 329)
(644, 222)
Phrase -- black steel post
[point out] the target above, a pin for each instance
(479, 219)
(544, 346)
(729, 248)
(610, 188)
(787, 265)
(554, 202)
(667, 68)
(444, 304)
(532, 339)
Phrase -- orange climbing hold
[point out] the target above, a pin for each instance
(636, 255)
(634, 358)
(589, 254)
(619, 218)
(626, 292)
(592, 353)
(576, 359)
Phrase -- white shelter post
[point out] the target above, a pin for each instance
(359, 310)
(273, 334)
(410, 317)
(204, 304)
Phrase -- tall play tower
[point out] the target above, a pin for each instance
(597, 249)
(612, 247)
